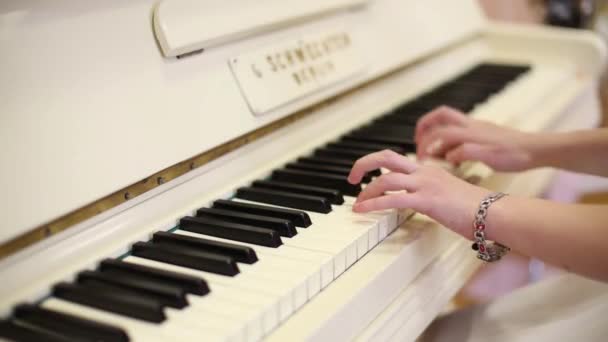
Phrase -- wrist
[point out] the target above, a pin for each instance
(538, 148)
(486, 250)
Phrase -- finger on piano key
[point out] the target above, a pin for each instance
(14, 331)
(187, 258)
(231, 290)
(299, 218)
(317, 179)
(287, 199)
(332, 195)
(72, 326)
(238, 253)
(232, 231)
(284, 227)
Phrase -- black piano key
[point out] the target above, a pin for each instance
(72, 326)
(299, 218)
(464, 86)
(318, 179)
(495, 68)
(405, 142)
(167, 295)
(111, 299)
(366, 146)
(484, 78)
(413, 110)
(239, 253)
(332, 195)
(190, 284)
(285, 199)
(335, 170)
(213, 263)
(283, 227)
(14, 331)
(341, 153)
(398, 119)
(389, 130)
(335, 161)
(231, 231)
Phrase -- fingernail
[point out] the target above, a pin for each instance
(434, 147)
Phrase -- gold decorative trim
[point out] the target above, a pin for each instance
(119, 197)
(62, 223)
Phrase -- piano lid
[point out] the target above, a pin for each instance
(91, 104)
(186, 26)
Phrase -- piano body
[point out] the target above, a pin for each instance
(120, 120)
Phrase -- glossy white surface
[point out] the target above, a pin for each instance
(90, 105)
(132, 113)
(184, 26)
(278, 74)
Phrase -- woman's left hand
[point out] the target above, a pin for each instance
(429, 190)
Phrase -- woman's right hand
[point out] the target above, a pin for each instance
(449, 134)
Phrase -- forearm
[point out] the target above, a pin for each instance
(579, 151)
(571, 236)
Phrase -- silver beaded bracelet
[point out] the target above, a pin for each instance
(486, 251)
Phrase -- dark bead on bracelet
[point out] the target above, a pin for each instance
(475, 246)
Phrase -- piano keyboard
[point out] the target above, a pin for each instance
(237, 269)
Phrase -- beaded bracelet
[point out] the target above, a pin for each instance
(488, 252)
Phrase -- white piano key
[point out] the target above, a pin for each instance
(136, 329)
(250, 317)
(320, 260)
(328, 234)
(338, 249)
(229, 289)
(295, 269)
(197, 323)
(311, 236)
(273, 286)
(346, 226)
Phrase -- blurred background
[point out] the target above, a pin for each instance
(583, 14)
(516, 270)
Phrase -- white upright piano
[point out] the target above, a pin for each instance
(174, 170)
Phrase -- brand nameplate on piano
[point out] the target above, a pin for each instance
(282, 73)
